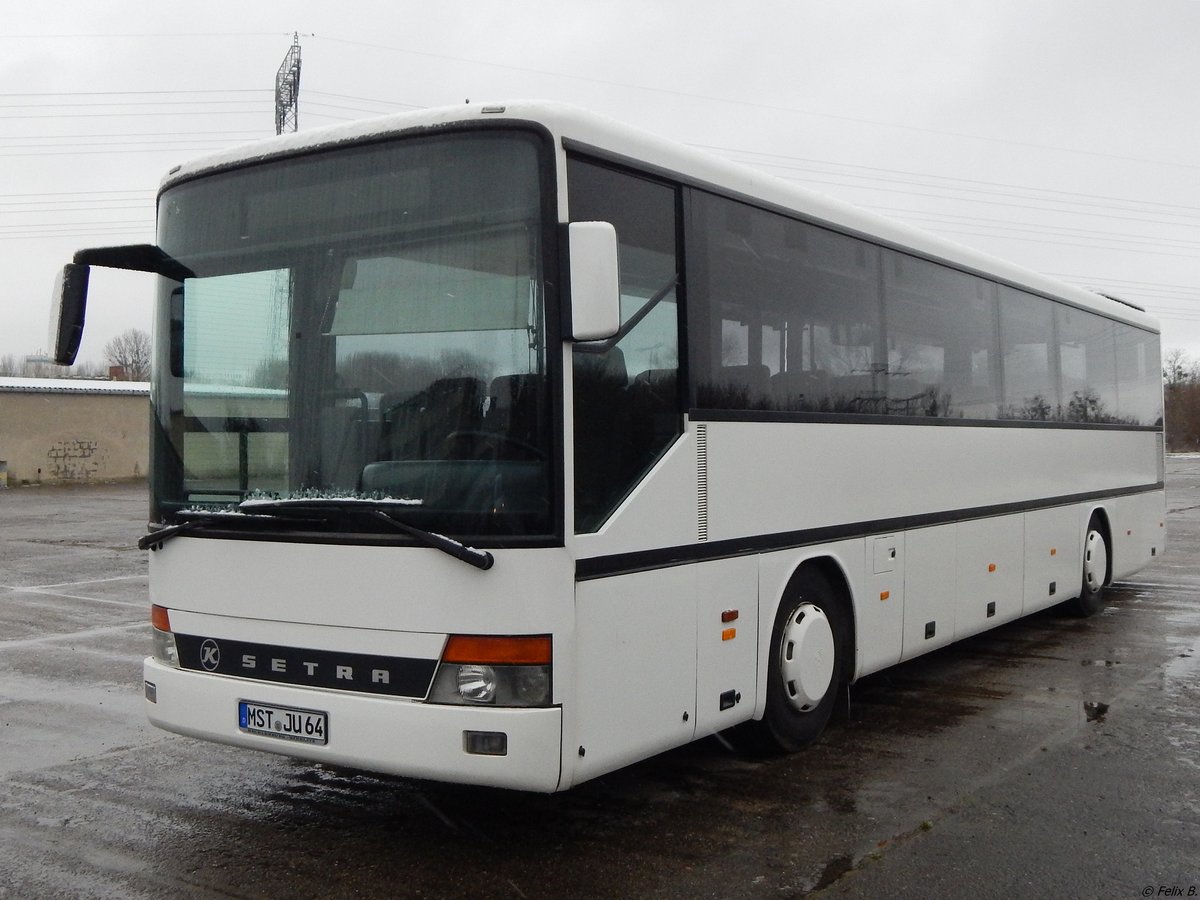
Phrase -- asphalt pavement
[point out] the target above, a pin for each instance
(1051, 757)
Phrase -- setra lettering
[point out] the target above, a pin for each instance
(381, 676)
(248, 661)
(345, 673)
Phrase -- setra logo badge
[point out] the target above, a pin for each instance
(210, 654)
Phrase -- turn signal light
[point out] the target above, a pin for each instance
(159, 618)
(486, 650)
(165, 650)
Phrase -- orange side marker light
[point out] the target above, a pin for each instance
(159, 618)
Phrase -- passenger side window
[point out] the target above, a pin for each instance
(1087, 360)
(627, 391)
(942, 343)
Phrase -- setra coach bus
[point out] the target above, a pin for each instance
(508, 445)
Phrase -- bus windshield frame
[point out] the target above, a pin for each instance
(371, 323)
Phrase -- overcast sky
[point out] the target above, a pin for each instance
(1061, 134)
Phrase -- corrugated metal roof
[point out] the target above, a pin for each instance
(72, 386)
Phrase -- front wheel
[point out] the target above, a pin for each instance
(809, 662)
(1095, 570)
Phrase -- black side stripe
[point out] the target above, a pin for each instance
(667, 557)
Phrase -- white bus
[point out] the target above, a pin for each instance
(507, 445)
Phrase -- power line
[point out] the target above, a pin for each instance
(755, 105)
(159, 147)
(393, 103)
(1082, 233)
(125, 135)
(916, 193)
(167, 112)
(133, 93)
(886, 174)
(1183, 287)
(148, 34)
(1043, 240)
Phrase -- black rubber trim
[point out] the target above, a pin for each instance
(667, 557)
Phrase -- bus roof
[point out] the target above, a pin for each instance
(606, 137)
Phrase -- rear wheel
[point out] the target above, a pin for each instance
(809, 662)
(1095, 569)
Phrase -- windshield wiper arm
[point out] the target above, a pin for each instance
(153, 539)
(196, 520)
(135, 258)
(480, 559)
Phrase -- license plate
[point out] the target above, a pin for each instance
(308, 726)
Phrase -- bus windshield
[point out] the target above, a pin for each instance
(364, 323)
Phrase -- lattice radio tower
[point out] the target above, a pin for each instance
(287, 89)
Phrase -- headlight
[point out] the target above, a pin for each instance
(494, 671)
(477, 683)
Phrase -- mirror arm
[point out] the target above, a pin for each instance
(135, 258)
(631, 323)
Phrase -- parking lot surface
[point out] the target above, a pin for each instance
(1050, 757)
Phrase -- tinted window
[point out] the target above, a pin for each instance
(1087, 363)
(785, 315)
(627, 393)
(1139, 381)
(789, 316)
(1026, 340)
(942, 342)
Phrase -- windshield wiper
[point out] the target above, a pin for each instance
(480, 559)
(200, 519)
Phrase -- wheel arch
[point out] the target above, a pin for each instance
(834, 572)
(781, 582)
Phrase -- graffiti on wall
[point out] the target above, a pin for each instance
(74, 460)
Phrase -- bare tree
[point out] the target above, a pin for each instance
(1178, 368)
(38, 366)
(1181, 396)
(130, 351)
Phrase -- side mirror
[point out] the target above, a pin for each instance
(68, 306)
(595, 281)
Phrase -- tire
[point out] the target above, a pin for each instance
(1095, 570)
(809, 663)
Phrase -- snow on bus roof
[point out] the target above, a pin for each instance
(604, 135)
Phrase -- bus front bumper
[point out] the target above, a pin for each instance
(399, 737)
